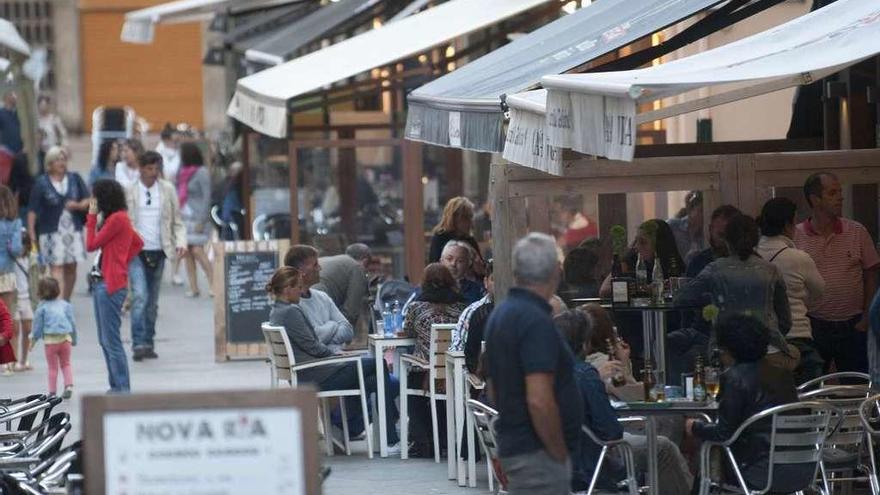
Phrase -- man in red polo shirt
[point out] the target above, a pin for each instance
(847, 259)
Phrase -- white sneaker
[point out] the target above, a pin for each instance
(394, 449)
(176, 280)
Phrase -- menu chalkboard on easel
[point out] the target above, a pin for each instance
(247, 302)
(242, 304)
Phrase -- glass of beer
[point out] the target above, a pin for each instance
(712, 378)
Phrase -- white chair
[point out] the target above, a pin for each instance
(284, 367)
(441, 337)
(483, 416)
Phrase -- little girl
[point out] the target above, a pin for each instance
(7, 354)
(53, 321)
(24, 314)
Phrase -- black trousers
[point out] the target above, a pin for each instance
(840, 342)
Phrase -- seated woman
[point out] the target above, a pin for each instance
(284, 287)
(437, 302)
(599, 416)
(654, 241)
(748, 386)
(603, 332)
(744, 283)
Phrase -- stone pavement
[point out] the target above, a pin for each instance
(185, 344)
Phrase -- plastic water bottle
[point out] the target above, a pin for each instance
(388, 321)
(397, 315)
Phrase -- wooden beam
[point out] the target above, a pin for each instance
(683, 150)
(346, 180)
(413, 211)
(345, 143)
(502, 238)
(246, 183)
(646, 183)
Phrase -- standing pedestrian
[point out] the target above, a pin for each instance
(59, 200)
(54, 323)
(804, 286)
(10, 248)
(169, 149)
(127, 170)
(152, 203)
(24, 314)
(105, 165)
(194, 193)
(7, 352)
(847, 260)
(119, 244)
(10, 126)
(51, 127)
(456, 224)
(531, 372)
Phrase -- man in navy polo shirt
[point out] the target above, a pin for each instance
(531, 374)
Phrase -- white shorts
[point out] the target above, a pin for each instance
(23, 311)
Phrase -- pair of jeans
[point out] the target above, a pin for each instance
(108, 316)
(145, 283)
(840, 342)
(346, 378)
(536, 473)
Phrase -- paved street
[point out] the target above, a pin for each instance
(185, 339)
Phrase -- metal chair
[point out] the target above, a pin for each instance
(441, 337)
(626, 451)
(822, 381)
(284, 367)
(797, 437)
(869, 413)
(483, 417)
(40, 443)
(843, 453)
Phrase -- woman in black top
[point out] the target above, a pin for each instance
(748, 386)
(456, 225)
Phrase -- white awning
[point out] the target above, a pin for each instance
(10, 38)
(595, 114)
(140, 24)
(260, 100)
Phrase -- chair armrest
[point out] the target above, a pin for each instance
(338, 359)
(415, 360)
(12, 435)
(18, 463)
(476, 382)
(632, 419)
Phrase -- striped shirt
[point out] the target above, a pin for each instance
(460, 333)
(841, 258)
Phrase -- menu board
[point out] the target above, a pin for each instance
(247, 302)
(202, 443)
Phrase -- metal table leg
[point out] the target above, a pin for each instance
(651, 441)
(660, 340)
(378, 351)
(451, 418)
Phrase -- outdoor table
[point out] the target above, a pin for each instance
(654, 329)
(651, 410)
(457, 420)
(379, 343)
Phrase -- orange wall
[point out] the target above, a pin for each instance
(162, 81)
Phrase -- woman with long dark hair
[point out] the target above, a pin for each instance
(744, 283)
(119, 244)
(105, 164)
(194, 194)
(456, 224)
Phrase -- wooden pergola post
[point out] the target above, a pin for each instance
(413, 210)
(293, 170)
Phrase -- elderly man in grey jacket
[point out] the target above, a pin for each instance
(344, 279)
(155, 214)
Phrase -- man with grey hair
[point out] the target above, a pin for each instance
(531, 371)
(344, 279)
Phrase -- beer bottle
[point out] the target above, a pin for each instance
(617, 379)
(699, 381)
(648, 381)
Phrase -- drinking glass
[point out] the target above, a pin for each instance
(712, 378)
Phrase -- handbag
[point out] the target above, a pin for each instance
(95, 274)
(152, 259)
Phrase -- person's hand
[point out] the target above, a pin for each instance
(623, 352)
(610, 368)
(93, 206)
(689, 426)
(181, 252)
(862, 325)
(71, 205)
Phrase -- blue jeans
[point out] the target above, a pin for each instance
(145, 283)
(346, 378)
(108, 315)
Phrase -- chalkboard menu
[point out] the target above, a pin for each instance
(247, 302)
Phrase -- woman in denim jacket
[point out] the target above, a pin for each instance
(744, 283)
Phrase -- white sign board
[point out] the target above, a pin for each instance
(218, 443)
(266, 118)
(223, 451)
